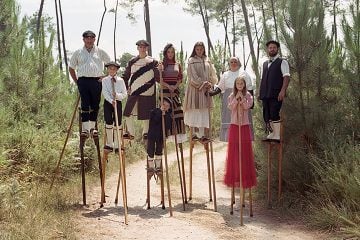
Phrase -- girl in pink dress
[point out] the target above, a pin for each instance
(239, 103)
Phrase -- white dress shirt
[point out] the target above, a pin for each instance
(107, 89)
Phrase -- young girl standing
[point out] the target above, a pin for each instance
(239, 103)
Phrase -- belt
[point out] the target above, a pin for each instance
(93, 78)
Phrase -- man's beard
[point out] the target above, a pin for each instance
(273, 54)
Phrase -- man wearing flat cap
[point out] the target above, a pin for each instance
(140, 76)
(274, 82)
(86, 68)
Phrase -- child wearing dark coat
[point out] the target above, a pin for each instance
(155, 141)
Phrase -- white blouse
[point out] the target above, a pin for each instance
(228, 78)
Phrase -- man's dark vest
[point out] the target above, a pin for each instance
(272, 79)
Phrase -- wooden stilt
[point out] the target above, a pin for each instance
(208, 170)
(270, 146)
(165, 150)
(177, 151)
(280, 151)
(213, 174)
(162, 187)
(191, 153)
(183, 170)
(250, 203)
(232, 200)
(211, 153)
(269, 176)
(82, 143)
(120, 155)
(66, 140)
(97, 145)
(103, 173)
(149, 175)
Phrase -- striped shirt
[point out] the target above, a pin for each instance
(89, 64)
(172, 74)
(141, 76)
(107, 90)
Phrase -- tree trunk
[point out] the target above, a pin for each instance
(275, 22)
(63, 42)
(234, 25)
(258, 38)
(58, 36)
(38, 22)
(206, 27)
(147, 25)
(115, 20)
(225, 23)
(252, 51)
(101, 23)
(334, 33)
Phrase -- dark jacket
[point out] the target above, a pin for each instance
(155, 124)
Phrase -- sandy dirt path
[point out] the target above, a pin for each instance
(199, 221)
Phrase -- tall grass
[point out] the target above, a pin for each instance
(32, 212)
(335, 203)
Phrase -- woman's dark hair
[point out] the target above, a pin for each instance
(198, 44)
(165, 58)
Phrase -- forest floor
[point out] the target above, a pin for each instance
(198, 221)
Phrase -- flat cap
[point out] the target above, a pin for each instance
(143, 43)
(112, 63)
(273, 42)
(88, 33)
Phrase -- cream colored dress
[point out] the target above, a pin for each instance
(197, 104)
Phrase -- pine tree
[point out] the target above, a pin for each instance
(351, 68)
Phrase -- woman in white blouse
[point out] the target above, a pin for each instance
(225, 86)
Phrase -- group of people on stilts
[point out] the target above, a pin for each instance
(138, 85)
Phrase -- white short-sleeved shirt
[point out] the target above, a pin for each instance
(89, 64)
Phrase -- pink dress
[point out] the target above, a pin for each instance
(232, 169)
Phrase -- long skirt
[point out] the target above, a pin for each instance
(232, 170)
(226, 118)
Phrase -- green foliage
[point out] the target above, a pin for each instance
(351, 66)
(336, 189)
(321, 149)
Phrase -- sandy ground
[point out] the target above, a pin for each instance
(198, 221)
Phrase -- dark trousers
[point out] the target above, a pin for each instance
(90, 94)
(154, 146)
(109, 113)
(271, 109)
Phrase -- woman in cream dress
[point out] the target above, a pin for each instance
(201, 78)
